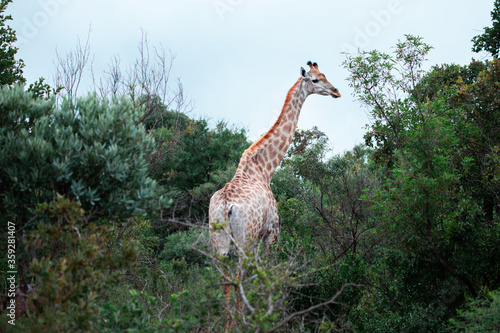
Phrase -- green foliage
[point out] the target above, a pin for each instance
(330, 192)
(190, 246)
(378, 79)
(40, 89)
(479, 138)
(416, 318)
(202, 193)
(11, 70)
(155, 114)
(194, 312)
(198, 151)
(296, 232)
(74, 266)
(479, 315)
(437, 82)
(130, 316)
(397, 299)
(412, 218)
(324, 217)
(489, 41)
(323, 283)
(302, 140)
(179, 290)
(437, 212)
(87, 150)
(192, 161)
(264, 284)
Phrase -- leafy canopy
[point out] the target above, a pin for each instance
(489, 41)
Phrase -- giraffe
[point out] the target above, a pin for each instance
(246, 203)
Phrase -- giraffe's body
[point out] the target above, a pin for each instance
(246, 203)
(250, 210)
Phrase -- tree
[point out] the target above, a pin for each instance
(489, 41)
(480, 315)
(88, 150)
(11, 70)
(324, 216)
(189, 154)
(332, 188)
(440, 79)
(73, 178)
(480, 141)
(199, 151)
(302, 139)
(427, 206)
(74, 266)
(147, 81)
(70, 68)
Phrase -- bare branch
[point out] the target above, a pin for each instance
(70, 68)
(112, 82)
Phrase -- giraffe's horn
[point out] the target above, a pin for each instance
(311, 64)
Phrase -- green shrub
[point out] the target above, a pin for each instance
(480, 315)
(89, 150)
(187, 245)
(74, 266)
(129, 316)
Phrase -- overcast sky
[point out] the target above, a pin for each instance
(238, 58)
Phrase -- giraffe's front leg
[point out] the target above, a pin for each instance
(226, 289)
(239, 300)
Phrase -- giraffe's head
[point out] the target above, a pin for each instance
(317, 82)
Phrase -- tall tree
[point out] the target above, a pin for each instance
(439, 155)
(489, 41)
(11, 70)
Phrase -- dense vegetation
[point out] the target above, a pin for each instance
(109, 196)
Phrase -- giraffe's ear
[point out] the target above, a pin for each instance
(302, 71)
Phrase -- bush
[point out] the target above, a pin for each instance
(187, 245)
(127, 316)
(73, 268)
(480, 315)
(88, 150)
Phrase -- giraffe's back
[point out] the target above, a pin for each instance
(250, 210)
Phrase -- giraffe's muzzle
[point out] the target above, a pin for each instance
(335, 93)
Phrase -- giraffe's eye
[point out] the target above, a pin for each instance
(315, 80)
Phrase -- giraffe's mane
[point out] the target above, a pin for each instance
(256, 145)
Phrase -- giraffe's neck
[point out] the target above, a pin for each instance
(263, 157)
